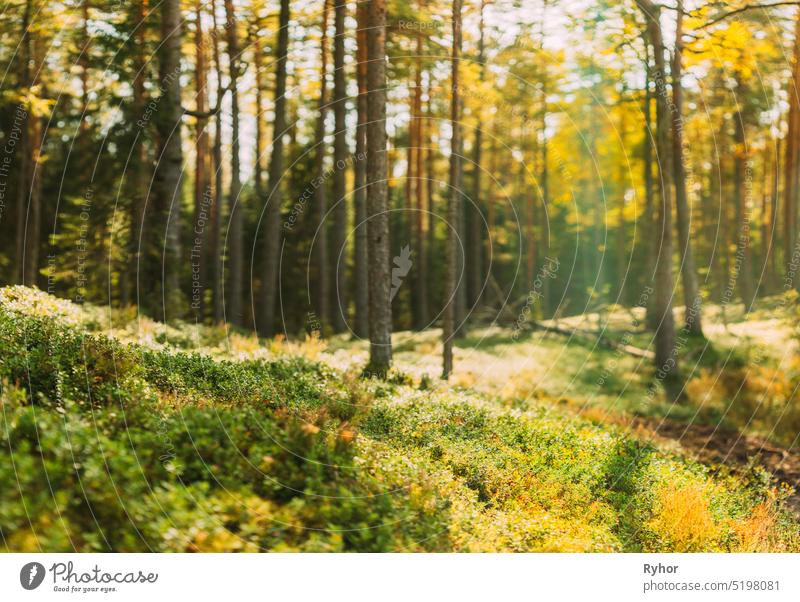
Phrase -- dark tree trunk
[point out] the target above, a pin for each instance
(693, 323)
(272, 226)
(320, 248)
(380, 309)
(140, 170)
(791, 168)
(341, 297)
(234, 296)
(169, 163)
(22, 119)
(202, 196)
(474, 211)
(666, 354)
(649, 230)
(216, 246)
(360, 262)
(742, 184)
(451, 261)
(421, 288)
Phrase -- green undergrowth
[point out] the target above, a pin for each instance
(115, 441)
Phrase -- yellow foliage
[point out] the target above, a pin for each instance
(683, 519)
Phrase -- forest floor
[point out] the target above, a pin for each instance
(126, 434)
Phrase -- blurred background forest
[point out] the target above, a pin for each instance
(203, 160)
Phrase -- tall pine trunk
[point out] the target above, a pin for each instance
(791, 167)
(169, 165)
(691, 292)
(234, 296)
(666, 354)
(475, 221)
(380, 309)
(421, 288)
(453, 205)
(217, 252)
(272, 226)
(341, 296)
(201, 176)
(360, 261)
(320, 248)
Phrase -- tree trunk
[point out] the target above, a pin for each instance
(234, 295)
(666, 354)
(258, 164)
(22, 117)
(320, 248)
(360, 261)
(339, 318)
(650, 242)
(475, 260)
(451, 262)
(693, 323)
(743, 188)
(421, 288)
(140, 170)
(169, 165)
(271, 240)
(791, 171)
(202, 192)
(380, 310)
(216, 247)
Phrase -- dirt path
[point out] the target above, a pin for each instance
(712, 445)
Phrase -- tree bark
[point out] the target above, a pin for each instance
(320, 248)
(216, 246)
(666, 354)
(451, 262)
(743, 187)
(169, 163)
(341, 297)
(234, 295)
(421, 288)
(791, 170)
(202, 191)
(693, 323)
(380, 310)
(141, 168)
(474, 258)
(271, 240)
(360, 261)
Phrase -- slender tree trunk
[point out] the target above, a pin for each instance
(169, 163)
(216, 247)
(475, 260)
(258, 164)
(140, 169)
(339, 318)
(650, 241)
(272, 227)
(22, 118)
(84, 63)
(791, 168)
(451, 262)
(430, 176)
(202, 187)
(380, 310)
(320, 248)
(421, 287)
(234, 295)
(666, 354)
(360, 261)
(693, 323)
(743, 189)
